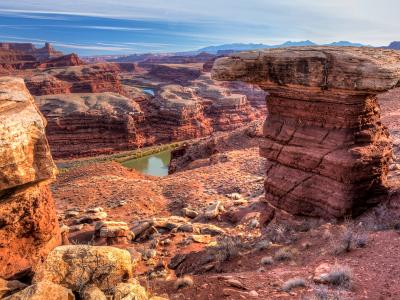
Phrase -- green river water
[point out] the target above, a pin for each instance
(155, 164)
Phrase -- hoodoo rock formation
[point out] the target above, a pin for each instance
(28, 223)
(327, 151)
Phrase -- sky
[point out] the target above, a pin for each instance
(109, 27)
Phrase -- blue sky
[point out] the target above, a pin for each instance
(106, 27)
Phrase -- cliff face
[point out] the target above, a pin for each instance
(28, 222)
(63, 61)
(176, 113)
(91, 123)
(175, 73)
(226, 108)
(41, 54)
(327, 150)
(95, 78)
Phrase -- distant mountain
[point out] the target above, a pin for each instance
(227, 48)
(394, 45)
(234, 47)
(295, 44)
(345, 44)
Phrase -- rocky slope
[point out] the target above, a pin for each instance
(91, 123)
(327, 150)
(209, 222)
(28, 222)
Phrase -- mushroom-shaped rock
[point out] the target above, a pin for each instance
(28, 221)
(327, 151)
(76, 266)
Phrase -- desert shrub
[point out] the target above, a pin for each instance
(185, 281)
(340, 276)
(293, 283)
(360, 240)
(349, 240)
(267, 260)
(278, 233)
(343, 244)
(227, 248)
(321, 293)
(263, 245)
(285, 253)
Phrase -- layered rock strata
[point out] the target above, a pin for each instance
(175, 73)
(28, 222)
(327, 150)
(42, 54)
(176, 113)
(91, 123)
(95, 78)
(226, 109)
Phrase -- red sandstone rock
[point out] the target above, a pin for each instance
(176, 113)
(28, 222)
(95, 78)
(63, 61)
(176, 73)
(327, 150)
(41, 54)
(44, 84)
(91, 123)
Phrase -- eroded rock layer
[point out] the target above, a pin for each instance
(91, 123)
(327, 150)
(95, 78)
(28, 222)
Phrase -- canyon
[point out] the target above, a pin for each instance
(119, 114)
(288, 173)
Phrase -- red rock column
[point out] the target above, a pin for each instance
(327, 151)
(28, 223)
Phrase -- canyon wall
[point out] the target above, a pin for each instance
(91, 123)
(327, 151)
(28, 222)
(94, 78)
(41, 54)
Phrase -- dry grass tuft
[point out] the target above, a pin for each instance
(293, 283)
(185, 281)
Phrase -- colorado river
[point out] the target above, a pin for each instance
(148, 90)
(155, 164)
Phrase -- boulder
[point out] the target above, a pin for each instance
(131, 290)
(76, 266)
(9, 287)
(92, 292)
(43, 290)
(326, 148)
(114, 232)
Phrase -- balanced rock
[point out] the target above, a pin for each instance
(326, 148)
(26, 169)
